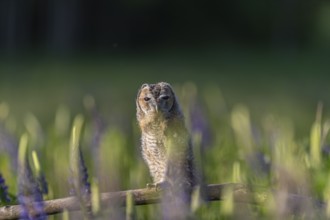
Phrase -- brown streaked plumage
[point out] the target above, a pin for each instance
(165, 141)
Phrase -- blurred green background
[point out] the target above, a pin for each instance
(256, 52)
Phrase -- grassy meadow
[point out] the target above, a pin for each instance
(259, 121)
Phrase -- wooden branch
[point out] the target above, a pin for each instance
(240, 192)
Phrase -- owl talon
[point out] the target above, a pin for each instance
(155, 186)
(158, 186)
(151, 185)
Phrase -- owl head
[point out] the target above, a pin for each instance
(156, 100)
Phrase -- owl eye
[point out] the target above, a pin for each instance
(146, 99)
(165, 97)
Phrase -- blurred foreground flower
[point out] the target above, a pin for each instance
(29, 194)
(79, 172)
(81, 186)
(41, 180)
(4, 196)
(200, 125)
(9, 144)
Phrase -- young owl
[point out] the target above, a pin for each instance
(166, 145)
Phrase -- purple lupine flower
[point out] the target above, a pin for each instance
(9, 144)
(199, 124)
(39, 204)
(30, 195)
(98, 128)
(32, 204)
(86, 186)
(43, 185)
(4, 196)
(23, 201)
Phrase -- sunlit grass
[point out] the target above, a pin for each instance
(259, 149)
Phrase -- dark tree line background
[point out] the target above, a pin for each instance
(253, 48)
(103, 25)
